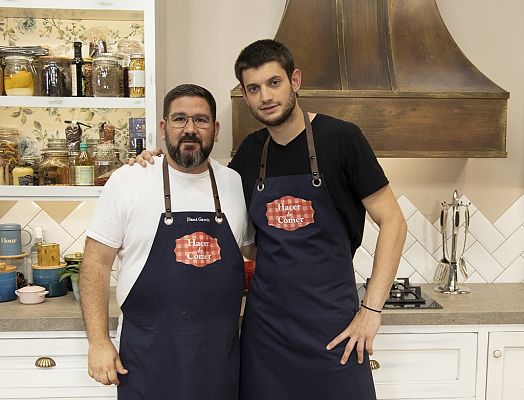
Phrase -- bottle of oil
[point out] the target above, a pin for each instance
(76, 71)
(84, 167)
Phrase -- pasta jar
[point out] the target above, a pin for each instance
(137, 75)
(54, 169)
(24, 173)
(9, 153)
(19, 76)
(106, 77)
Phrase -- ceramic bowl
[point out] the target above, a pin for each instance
(31, 294)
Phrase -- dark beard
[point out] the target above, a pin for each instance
(288, 109)
(188, 158)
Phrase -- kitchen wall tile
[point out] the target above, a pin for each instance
(359, 278)
(363, 263)
(417, 278)
(53, 232)
(405, 269)
(410, 239)
(113, 279)
(407, 207)
(479, 258)
(369, 239)
(485, 232)
(511, 248)
(423, 231)
(510, 221)
(77, 246)
(422, 261)
(21, 213)
(77, 221)
(475, 277)
(514, 273)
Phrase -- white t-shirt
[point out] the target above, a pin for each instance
(128, 211)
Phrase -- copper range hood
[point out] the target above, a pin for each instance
(391, 67)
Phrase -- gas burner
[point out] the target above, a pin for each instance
(403, 295)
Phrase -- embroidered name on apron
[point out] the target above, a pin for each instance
(290, 213)
(197, 249)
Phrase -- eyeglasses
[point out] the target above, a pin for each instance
(180, 120)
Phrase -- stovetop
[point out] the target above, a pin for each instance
(403, 295)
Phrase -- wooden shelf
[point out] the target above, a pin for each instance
(71, 193)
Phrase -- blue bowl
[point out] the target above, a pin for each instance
(7, 286)
(49, 278)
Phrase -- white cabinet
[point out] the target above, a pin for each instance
(505, 366)
(106, 14)
(425, 365)
(68, 379)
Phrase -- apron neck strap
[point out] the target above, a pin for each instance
(168, 219)
(315, 175)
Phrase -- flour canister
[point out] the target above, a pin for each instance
(11, 239)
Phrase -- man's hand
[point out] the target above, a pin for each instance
(104, 363)
(145, 157)
(361, 332)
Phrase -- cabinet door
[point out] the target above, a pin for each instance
(505, 366)
(20, 378)
(425, 366)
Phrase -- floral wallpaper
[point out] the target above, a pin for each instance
(58, 36)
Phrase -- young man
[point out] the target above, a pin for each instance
(308, 181)
(181, 277)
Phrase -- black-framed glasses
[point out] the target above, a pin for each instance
(201, 121)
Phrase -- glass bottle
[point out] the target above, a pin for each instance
(76, 71)
(54, 169)
(19, 76)
(33, 254)
(84, 168)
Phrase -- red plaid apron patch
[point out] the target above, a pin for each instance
(197, 249)
(290, 213)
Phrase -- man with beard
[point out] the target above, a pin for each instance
(181, 277)
(308, 181)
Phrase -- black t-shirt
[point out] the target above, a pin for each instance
(345, 159)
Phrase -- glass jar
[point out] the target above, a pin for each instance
(53, 76)
(137, 75)
(1, 80)
(54, 168)
(91, 146)
(19, 76)
(106, 163)
(9, 153)
(88, 77)
(24, 173)
(71, 161)
(107, 77)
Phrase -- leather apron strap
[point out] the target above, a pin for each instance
(168, 219)
(315, 175)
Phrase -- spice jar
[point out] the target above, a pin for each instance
(137, 75)
(106, 78)
(53, 76)
(105, 163)
(24, 173)
(9, 153)
(19, 76)
(88, 77)
(54, 169)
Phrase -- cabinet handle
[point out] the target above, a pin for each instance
(374, 364)
(45, 362)
(497, 354)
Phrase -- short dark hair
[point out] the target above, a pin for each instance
(190, 90)
(261, 52)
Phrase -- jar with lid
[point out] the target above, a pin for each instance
(87, 71)
(24, 172)
(137, 75)
(1, 80)
(54, 168)
(106, 79)
(106, 163)
(9, 153)
(53, 76)
(19, 76)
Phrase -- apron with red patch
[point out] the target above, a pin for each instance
(180, 320)
(302, 295)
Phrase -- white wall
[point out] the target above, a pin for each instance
(203, 38)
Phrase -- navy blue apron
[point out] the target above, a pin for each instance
(179, 337)
(302, 295)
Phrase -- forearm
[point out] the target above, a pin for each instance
(388, 250)
(94, 292)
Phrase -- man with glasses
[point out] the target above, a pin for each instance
(181, 276)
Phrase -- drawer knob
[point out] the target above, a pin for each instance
(45, 362)
(497, 353)
(374, 364)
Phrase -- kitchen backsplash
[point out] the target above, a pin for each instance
(494, 252)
